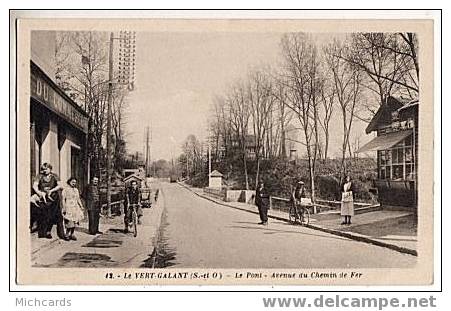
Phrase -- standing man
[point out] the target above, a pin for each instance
(92, 196)
(262, 202)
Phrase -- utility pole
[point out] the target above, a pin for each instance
(209, 165)
(108, 127)
(147, 150)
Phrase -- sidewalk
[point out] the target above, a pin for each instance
(396, 230)
(113, 248)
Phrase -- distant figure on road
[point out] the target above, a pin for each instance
(72, 208)
(92, 196)
(148, 181)
(347, 201)
(262, 202)
(156, 194)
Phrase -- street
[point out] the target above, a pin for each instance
(191, 232)
(197, 233)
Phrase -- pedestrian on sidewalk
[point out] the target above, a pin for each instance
(92, 196)
(262, 202)
(47, 187)
(72, 208)
(347, 201)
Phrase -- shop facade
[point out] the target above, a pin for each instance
(396, 144)
(58, 130)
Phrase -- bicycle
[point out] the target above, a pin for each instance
(134, 221)
(301, 214)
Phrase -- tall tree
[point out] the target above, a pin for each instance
(260, 103)
(347, 85)
(301, 66)
(239, 112)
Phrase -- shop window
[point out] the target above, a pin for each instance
(398, 162)
(398, 172)
(408, 153)
(410, 173)
(382, 174)
(382, 158)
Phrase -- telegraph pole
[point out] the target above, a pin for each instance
(147, 150)
(126, 77)
(108, 126)
(209, 165)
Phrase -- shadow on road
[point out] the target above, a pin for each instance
(90, 260)
(104, 241)
(163, 255)
(268, 230)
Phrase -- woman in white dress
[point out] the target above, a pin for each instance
(72, 207)
(347, 201)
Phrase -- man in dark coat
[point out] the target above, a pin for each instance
(92, 196)
(262, 202)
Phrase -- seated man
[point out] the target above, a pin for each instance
(132, 197)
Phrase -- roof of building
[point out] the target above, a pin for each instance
(216, 173)
(385, 141)
(133, 176)
(384, 113)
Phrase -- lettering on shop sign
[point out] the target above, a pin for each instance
(46, 94)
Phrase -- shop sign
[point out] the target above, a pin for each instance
(47, 95)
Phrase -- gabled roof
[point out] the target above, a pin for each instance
(133, 176)
(383, 114)
(410, 104)
(216, 173)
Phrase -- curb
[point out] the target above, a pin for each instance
(352, 236)
(154, 253)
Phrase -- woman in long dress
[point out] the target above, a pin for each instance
(347, 201)
(72, 207)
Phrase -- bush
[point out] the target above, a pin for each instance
(198, 181)
(280, 176)
(328, 187)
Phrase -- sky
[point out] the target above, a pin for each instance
(179, 74)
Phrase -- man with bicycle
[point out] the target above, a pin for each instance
(132, 198)
(296, 197)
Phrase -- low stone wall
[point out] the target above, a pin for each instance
(217, 193)
(244, 196)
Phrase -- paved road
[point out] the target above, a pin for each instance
(198, 233)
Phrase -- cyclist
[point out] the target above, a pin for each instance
(132, 197)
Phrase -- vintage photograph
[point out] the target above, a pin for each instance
(233, 154)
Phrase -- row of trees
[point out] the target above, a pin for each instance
(82, 72)
(347, 77)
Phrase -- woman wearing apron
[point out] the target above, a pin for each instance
(72, 207)
(347, 201)
(46, 187)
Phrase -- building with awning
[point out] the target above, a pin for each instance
(396, 145)
(58, 126)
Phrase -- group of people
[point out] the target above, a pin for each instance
(262, 198)
(55, 203)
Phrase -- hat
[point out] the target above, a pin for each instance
(300, 182)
